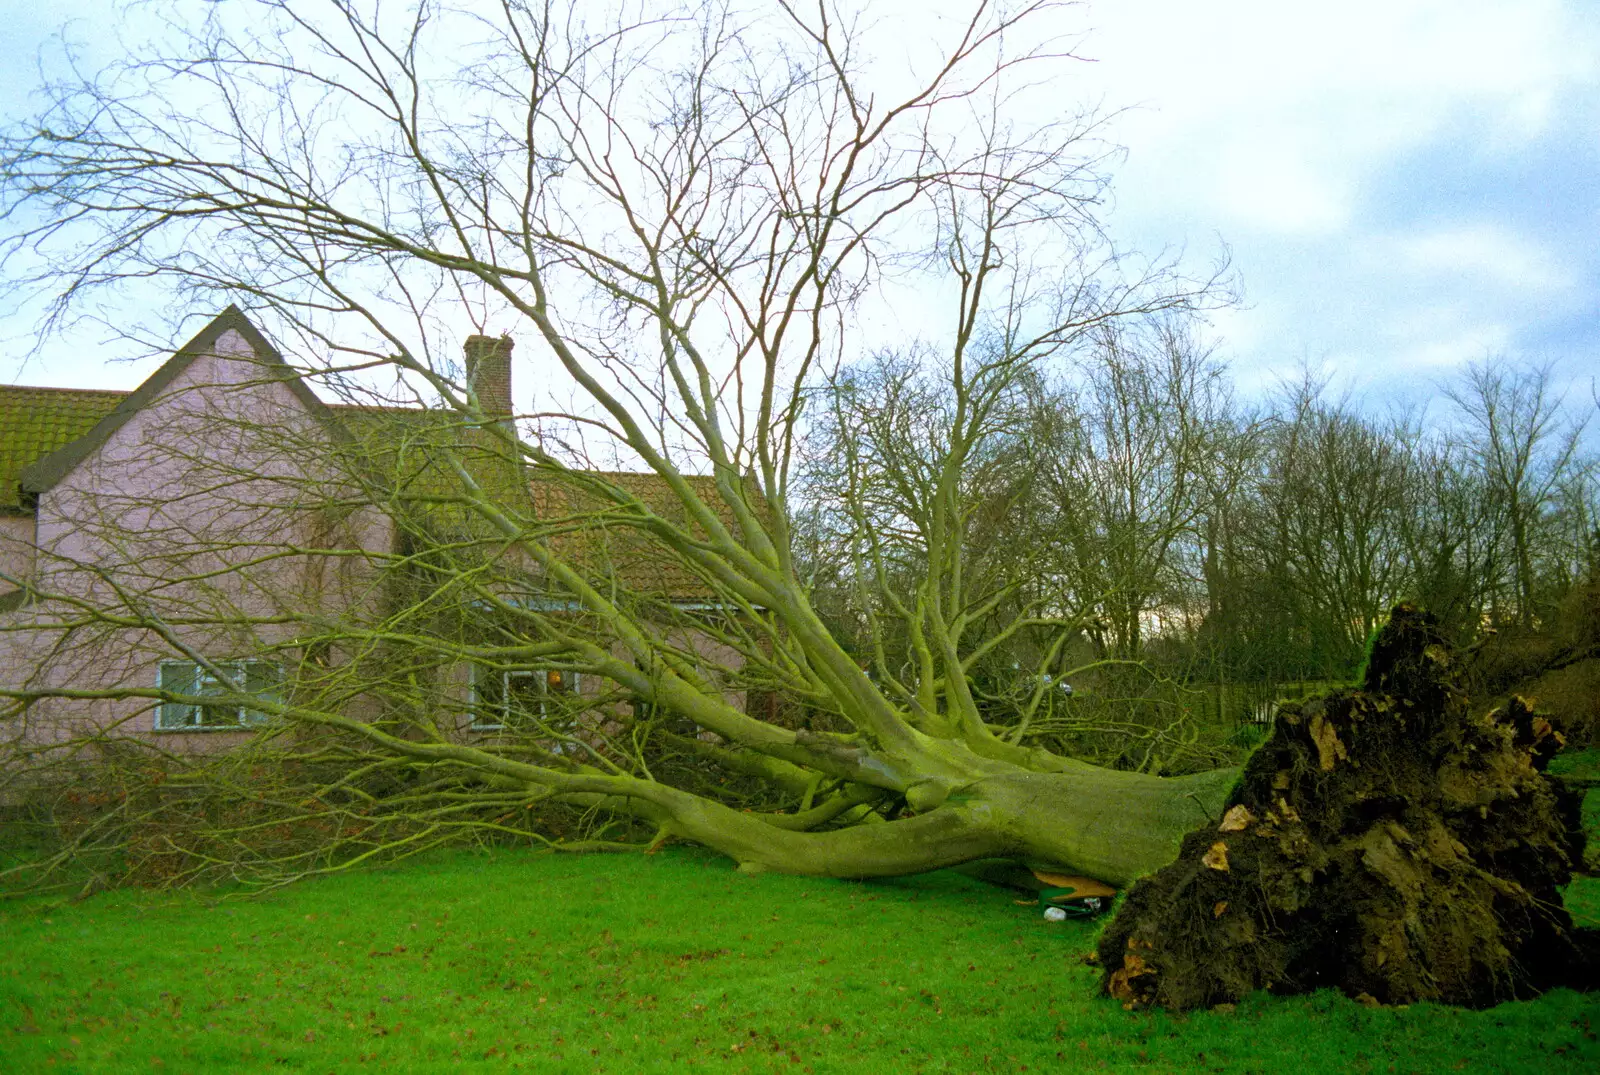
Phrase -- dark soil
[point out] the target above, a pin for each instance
(1385, 841)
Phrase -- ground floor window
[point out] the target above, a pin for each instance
(521, 697)
(228, 680)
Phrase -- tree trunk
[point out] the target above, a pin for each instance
(1101, 823)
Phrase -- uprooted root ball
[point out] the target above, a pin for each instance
(1383, 841)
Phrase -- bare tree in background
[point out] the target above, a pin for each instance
(1523, 449)
(1332, 501)
(1154, 412)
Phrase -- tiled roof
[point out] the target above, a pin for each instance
(601, 543)
(36, 421)
(411, 452)
(634, 559)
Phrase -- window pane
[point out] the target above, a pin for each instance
(520, 697)
(524, 697)
(262, 679)
(221, 681)
(179, 678)
(218, 716)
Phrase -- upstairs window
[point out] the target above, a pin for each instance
(520, 698)
(250, 679)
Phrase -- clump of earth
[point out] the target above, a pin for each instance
(1387, 841)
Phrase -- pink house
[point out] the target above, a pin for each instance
(188, 537)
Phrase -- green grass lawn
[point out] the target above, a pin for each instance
(1577, 763)
(518, 961)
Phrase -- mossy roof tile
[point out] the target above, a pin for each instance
(37, 421)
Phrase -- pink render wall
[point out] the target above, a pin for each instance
(16, 549)
(193, 509)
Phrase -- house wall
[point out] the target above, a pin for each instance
(197, 513)
(16, 549)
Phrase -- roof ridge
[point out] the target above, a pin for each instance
(64, 388)
(42, 474)
(403, 408)
(632, 473)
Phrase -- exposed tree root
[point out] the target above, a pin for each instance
(1385, 842)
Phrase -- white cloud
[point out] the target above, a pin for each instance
(1262, 56)
(1268, 115)
(1277, 186)
(1310, 139)
(1470, 343)
(1488, 251)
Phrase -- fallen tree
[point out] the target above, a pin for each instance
(685, 212)
(1386, 841)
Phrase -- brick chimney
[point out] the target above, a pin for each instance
(489, 373)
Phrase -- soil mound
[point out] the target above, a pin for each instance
(1383, 841)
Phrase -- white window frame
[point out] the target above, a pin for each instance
(485, 718)
(184, 717)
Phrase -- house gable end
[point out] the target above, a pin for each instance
(45, 473)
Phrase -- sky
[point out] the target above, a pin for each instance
(1403, 186)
